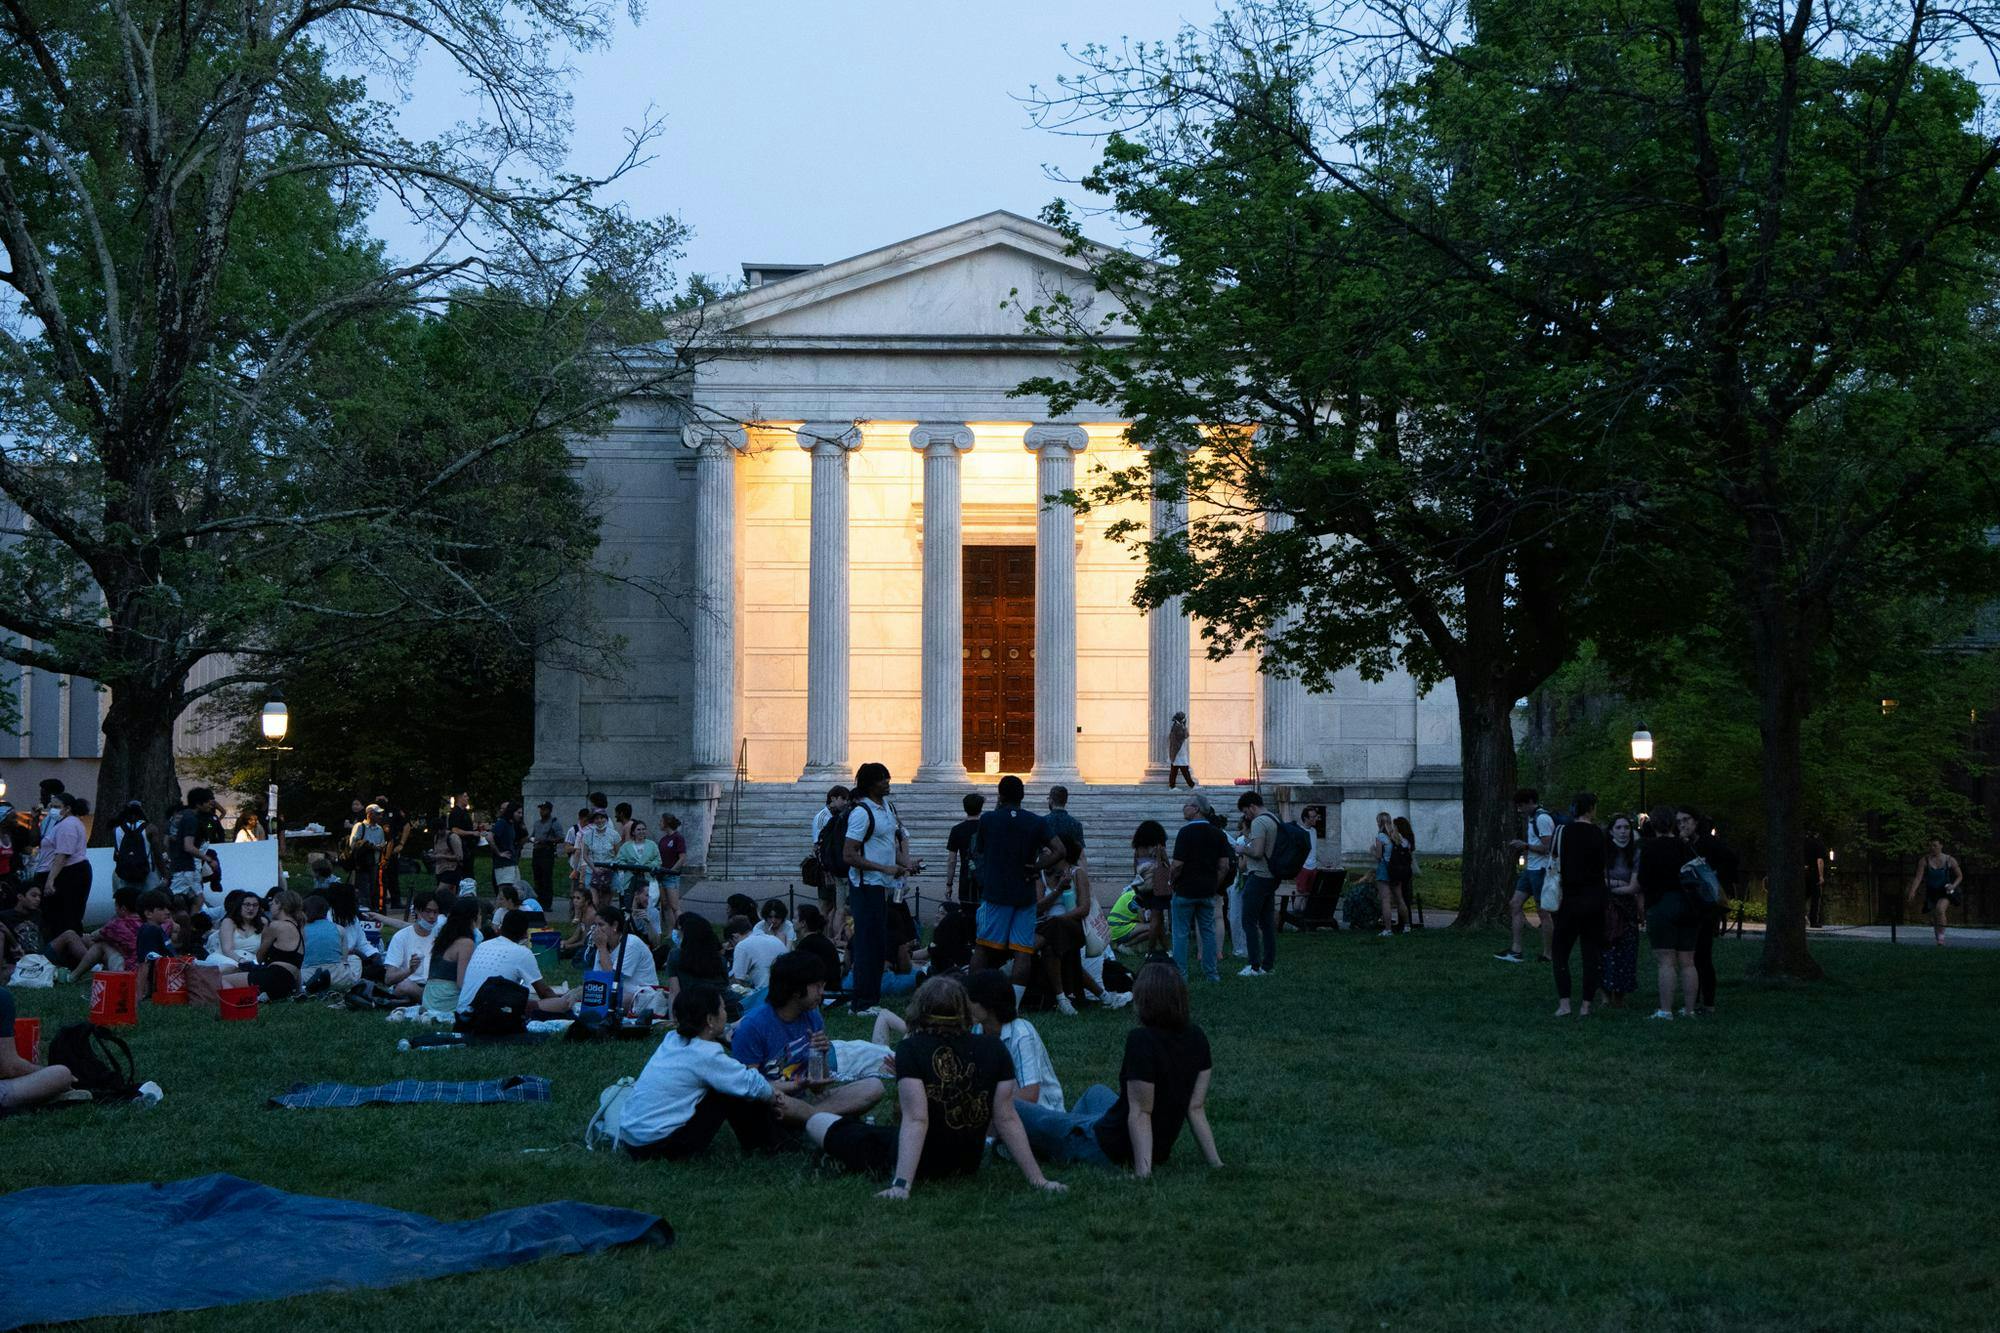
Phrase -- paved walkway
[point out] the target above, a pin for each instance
(1956, 937)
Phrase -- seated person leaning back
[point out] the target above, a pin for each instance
(777, 1038)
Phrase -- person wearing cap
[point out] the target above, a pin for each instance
(546, 834)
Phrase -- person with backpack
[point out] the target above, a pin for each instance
(134, 858)
(876, 858)
(1402, 870)
(1701, 844)
(1260, 887)
(1534, 852)
(23, 1083)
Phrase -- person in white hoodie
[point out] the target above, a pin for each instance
(692, 1087)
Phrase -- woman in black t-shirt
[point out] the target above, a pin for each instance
(950, 1084)
(1162, 1085)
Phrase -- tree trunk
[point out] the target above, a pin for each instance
(138, 762)
(1486, 758)
(1782, 654)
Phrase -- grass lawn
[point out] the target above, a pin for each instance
(1411, 1142)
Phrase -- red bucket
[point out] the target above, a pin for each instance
(170, 984)
(114, 999)
(238, 1004)
(27, 1036)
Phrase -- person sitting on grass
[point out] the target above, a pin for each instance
(582, 927)
(242, 928)
(813, 941)
(24, 920)
(778, 1036)
(117, 939)
(505, 958)
(408, 964)
(281, 953)
(450, 953)
(156, 928)
(750, 959)
(993, 1009)
(950, 1083)
(699, 962)
(23, 1083)
(644, 918)
(324, 874)
(344, 910)
(514, 897)
(774, 918)
(1163, 1085)
(622, 954)
(691, 1088)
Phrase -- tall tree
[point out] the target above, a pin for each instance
(184, 192)
(1774, 221)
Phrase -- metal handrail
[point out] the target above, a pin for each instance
(735, 803)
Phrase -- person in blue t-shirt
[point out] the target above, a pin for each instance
(1013, 845)
(777, 1036)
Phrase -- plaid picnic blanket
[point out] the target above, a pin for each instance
(403, 1092)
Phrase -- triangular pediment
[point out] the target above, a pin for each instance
(956, 282)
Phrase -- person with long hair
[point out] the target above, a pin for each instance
(1403, 867)
(1672, 926)
(249, 828)
(1623, 919)
(240, 937)
(1698, 840)
(451, 950)
(281, 953)
(1938, 875)
(1064, 898)
(1385, 847)
(1579, 853)
(698, 961)
(1163, 1083)
(950, 1083)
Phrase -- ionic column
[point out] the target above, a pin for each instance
(1167, 680)
(714, 734)
(829, 442)
(943, 758)
(1055, 448)
(1281, 751)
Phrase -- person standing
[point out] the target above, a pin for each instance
(1062, 824)
(876, 863)
(396, 831)
(1151, 883)
(546, 834)
(366, 843)
(1812, 866)
(1015, 845)
(1622, 917)
(961, 846)
(1177, 751)
(458, 818)
(1709, 917)
(184, 848)
(68, 892)
(134, 858)
(597, 855)
(1534, 852)
(1938, 875)
(1201, 853)
(673, 851)
(1579, 851)
(1260, 887)
(1671, 925)
(506, 837)
(249, 828)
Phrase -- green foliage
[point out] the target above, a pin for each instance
(1408, 1088)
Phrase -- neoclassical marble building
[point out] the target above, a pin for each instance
(849, 506)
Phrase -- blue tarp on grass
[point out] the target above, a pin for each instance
(220, 1240)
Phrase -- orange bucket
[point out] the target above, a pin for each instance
(238, 1004)
(170, 985)
(114, 999)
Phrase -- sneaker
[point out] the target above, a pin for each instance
(1249, 972)
(1390, 934)
(1117, 999)
(1663, 1014)
(1685, 1013)
(1510, 956)
(1064, 1007)
(869, 1012)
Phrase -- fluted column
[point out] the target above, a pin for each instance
(829, 442)
(713, 741)
(942, 754)
(1281, 751)
(1055, 448)
(1167, 678)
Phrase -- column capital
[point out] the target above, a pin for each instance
(1044, 435)
(941, 435)
(700, 435)
(841, 436)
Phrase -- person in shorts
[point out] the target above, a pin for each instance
(1014, 844)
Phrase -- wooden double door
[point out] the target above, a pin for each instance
(999, 656)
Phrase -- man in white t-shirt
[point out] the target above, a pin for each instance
(877, 858)
(750, 964)
(505, 958)
(407, 965)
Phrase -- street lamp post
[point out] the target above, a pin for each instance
(1642, 759)
(275, 721)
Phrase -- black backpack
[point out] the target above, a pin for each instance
(133, 859)
(833, 845)
(500, 1009)
(1289, 846)
(1400, 864)
(98, 1059)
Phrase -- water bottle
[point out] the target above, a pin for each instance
(815, 1065)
